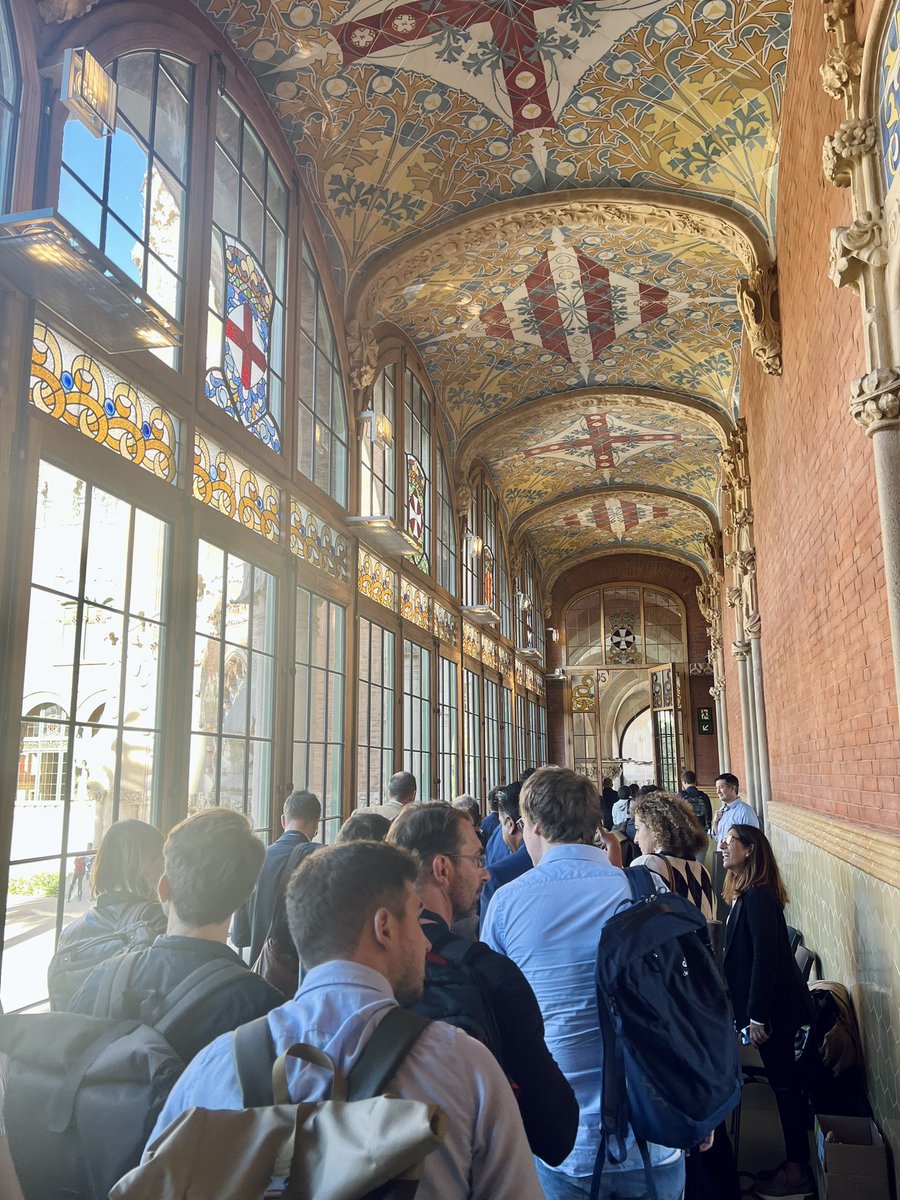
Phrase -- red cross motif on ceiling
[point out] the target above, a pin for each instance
(602, 442)
(515, 36)
(249, 355)
(632, 515)
(574, 316)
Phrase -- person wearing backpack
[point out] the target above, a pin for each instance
(472, 987)
(549, 922)
(125, 916)
(354, 915)
(211, 862)
(699, 801)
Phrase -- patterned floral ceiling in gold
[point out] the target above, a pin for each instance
(407, 118)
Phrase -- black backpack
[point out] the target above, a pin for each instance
(105, 936)
(453, 992)
(671, 1067)
(83, 1093)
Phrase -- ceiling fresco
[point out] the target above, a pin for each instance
(574, 308)
(583, 445)
(584, 339)
(629, 519)
(403, 115)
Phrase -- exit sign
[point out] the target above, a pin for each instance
(705, 720)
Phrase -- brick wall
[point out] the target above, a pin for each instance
(634, 568)
(831, 701)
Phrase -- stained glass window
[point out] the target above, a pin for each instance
(447, 730)
(417, 519)
(446, 567)
(663, 633)
(491, 735)
(225, 483)
(375, 714)
(533, 760)
(642, 626)
(234, 687)
(622, 641)
(506, 625)
(470, 561)
(417, 715)
(10, 82)
(376, 496)
(472, 734)
(318, 544)
(248, 262)
(319, 684)
(322, 438)
(90, 732)
(127, 193)
(583, 644)
(376, 580)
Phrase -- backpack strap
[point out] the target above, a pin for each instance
(254, 1057)
(640, 880)
(200, 986)
(383, 1053)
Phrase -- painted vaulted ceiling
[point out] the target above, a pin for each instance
(588, 358)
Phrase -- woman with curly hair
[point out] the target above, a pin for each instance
(669, 837)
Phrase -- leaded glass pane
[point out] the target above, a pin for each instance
(662, 628)
(623, 643)
(375, 716)
(583, 645)
(319, 703)
(417, 715)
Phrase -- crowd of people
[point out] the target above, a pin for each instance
(488, 926)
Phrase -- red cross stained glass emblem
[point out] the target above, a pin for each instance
(514, 32)
(246, 344)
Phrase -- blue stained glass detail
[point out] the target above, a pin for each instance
(67, 381)
(109, 408)
(146, 430)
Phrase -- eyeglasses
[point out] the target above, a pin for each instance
(732, 837)
(480, 859)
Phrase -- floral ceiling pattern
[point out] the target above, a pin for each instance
(592, 365)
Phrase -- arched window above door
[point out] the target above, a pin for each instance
(10, 84)
(625, 625)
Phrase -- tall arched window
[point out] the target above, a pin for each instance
(127, 193)
(445, 567)
(417, 436)
(10, 83)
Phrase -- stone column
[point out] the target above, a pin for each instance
(717, 691)
(741, 652)
(762, 736)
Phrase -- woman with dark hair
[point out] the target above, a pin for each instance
(770, 1000)
(669, 837)
(126, 914)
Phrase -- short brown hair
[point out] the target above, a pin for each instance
(673, 823)
(336, 891)
(429, 829)
(760, 868)
(364, 826)
(212, 860)
(127, 852)
(564, 804)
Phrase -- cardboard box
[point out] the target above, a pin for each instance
(853, 1165)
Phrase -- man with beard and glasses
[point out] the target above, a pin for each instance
(354, 916)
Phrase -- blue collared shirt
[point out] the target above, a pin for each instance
(548, 921)
(485, 1155)
(738, 812)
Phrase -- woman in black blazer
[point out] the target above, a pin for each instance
(768, 993)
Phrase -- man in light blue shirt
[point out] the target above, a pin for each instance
(733, 810)
(548, 921)
(354, 916)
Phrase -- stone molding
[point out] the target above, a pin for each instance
(740, 650)
(852, 139)
(875, 400)
(876, 854)
(57, 12)
(362, 351)
(757, 301)
(857, 248)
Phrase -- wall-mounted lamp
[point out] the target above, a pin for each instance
(376, 427)
(523, 601)
(88, 92)
(474, 545)
(552, 634)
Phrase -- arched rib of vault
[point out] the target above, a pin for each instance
(686, 559)
(478, 441)
(527, 216)
(518, 530)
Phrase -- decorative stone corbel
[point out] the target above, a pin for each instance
(875, 400)
(856, 248)
(57, 12)
(852, 139)
(841, 71)
(733, 595)
(362, 350)
(717, 691)
(753, 625)
(757, 300)
(463, 497)
(836, 13)
(740, 650)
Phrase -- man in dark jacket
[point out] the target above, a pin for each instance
(699, 801)
(211, 863)
(476, 989)
(300, 822)
(518, 861)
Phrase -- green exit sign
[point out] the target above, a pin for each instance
(705, 720)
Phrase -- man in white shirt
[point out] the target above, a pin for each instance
(354, 915)
(733, 810)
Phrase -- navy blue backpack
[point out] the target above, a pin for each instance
(671, 1065)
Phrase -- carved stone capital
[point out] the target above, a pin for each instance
(854, 138)
(740, 650)
(757, 299)
(712, 544)
(362, 350)
(742, 518)
(875, 400)
(717, 691)
(836, 13)
(56, 12)
(841, 70)
(746, 559)
(733, 596)
(856, 248)
(753, 625)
